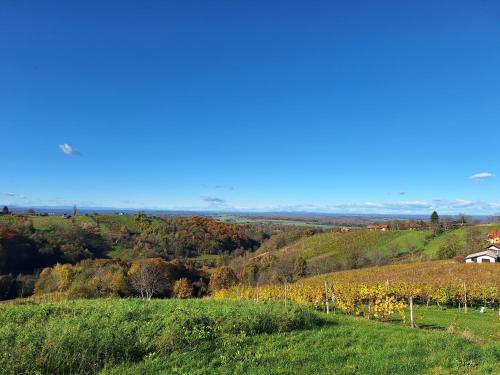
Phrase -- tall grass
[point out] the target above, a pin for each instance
(85, 336)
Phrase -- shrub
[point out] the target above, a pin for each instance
(87, 279)
(222, 278)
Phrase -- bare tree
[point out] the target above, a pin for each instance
(378, 258)
(474, 239)
(147, 280)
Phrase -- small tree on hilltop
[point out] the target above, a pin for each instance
(183, 288)
(222, 278)
(435, 225)
(5, 210)
(434, 218)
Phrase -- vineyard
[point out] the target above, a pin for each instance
(383, 291)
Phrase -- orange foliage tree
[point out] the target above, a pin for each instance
(222, 278)
(183, 288)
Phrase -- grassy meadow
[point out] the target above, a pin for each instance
(132, 336)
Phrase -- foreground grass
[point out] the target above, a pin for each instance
(227, 337)
(473, 325)
(344, 345)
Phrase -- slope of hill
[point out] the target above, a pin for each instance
(459, 234)
(227, 337)
(326, 252)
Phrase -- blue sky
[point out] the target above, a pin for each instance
(345, 106)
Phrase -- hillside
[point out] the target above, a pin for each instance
(331, 251)
(227, 337)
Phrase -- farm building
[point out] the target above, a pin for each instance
(378, 227)
(494, 236)
(490, 255)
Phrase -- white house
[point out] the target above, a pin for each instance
(490, 255)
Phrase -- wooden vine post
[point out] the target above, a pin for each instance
(465, 297)
(326, 299)
(412, 319)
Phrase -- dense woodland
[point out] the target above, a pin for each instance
(73, 255)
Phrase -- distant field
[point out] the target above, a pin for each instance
(108, 224)
(47, 222)
(112, 224)
(246, 220)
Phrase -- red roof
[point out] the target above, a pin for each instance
(494, 233)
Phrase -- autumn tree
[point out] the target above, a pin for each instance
(183, 288)
(222, 278)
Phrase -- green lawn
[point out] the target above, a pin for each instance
(236, 337)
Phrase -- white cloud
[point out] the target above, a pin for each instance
(68, 150)
(9, 194)
(481, 176)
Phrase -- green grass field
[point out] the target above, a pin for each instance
(237, 337)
